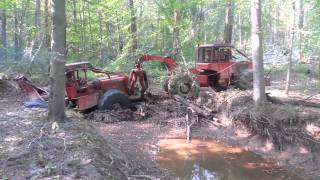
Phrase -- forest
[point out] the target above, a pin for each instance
(111, 33)
(160, 89)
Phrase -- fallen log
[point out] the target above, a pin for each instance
(294, 102)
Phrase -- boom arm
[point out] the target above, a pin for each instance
(138, 74)
(168, 61)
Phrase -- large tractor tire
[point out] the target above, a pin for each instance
(245, 80)
(183, 85)
(114, 99)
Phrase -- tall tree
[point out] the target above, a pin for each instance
(229, 18)
(176, 33)
(57, 63)
(17, 31)
(256, 45)
(74, 13)
(300, 27)
(3, 35)
(37, 16)
(293, 19)
(133, 27)
(47, 41)
(100, 35)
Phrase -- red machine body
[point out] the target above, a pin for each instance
(86, 93)
(83, 89)
(214, 64)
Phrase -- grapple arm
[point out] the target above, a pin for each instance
(168, 61)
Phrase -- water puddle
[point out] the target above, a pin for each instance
(209, 159)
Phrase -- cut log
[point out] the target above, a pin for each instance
(294, 102)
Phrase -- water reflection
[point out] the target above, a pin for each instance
(208, 159)
(199, 173)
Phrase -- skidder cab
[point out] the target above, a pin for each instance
(217, 67)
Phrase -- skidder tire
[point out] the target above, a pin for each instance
(245, 80)
(183, 85)
(114, 97)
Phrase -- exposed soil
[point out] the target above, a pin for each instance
(33, 148)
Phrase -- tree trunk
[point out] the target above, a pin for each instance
(47, 43)
(120, 39)
(3, 36)
(228, 22)
(37, 15)
(287, 88)
(176, 34)
(101, 36)
(17, 46)
(83, 37)
(194, 21)
(277, 26)
(318, 58)
(133, 27)
(240, 30)
(109, 34)
(75, 19)
(90, 27)
(57, 63)
(300, 26)
(75, 25)
(256, 45)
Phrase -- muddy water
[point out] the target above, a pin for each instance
(209, 159)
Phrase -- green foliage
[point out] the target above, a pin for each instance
(99, 31)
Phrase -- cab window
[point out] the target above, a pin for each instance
(214, 54)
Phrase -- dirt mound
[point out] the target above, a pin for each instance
(74, 151)
(158, 107)
(4, 84)
(283, 124)
(160, 112)
(7, 85)
(110, 116)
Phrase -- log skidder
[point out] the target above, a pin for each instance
(89, 87)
